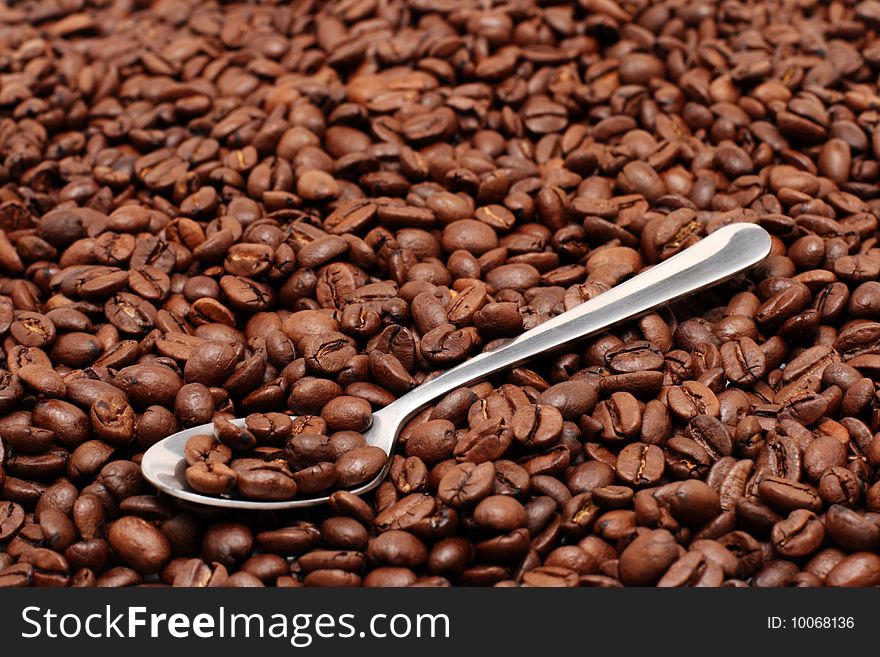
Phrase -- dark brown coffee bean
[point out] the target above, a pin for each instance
(234, 437)
(500, 513)
(316, 478)
(858, 569)
(12, 518)
(139, 544)
(263, 480)
(693, 569)
(211, 364)
(466, 484)
(693, 503)
(174, 256)
(744, 362)
(397, 548)
(227, 543)
(647, 558)
(346, 413)
(572, 398)
(359, 466)
(786, 495)
(691, 399)
(640, 465)
(147, 384)
(851, 530)
(798, 535)
(211, 478)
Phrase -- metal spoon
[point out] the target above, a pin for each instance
(713, 259)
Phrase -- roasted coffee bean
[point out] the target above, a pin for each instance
(692, 503)
(12, 517)
(194, 404)
(465, 484)
(693, 569)
(744, 362)
(634, 357)
(536, 425)
(500, 513)
(148, 384)
(691, 399)
(858, 569)
(141, 545)
(359, 466)
(211, 478)
(839, 485)
(786, 495)
(263, 480)
(16, 576)
(236, 244)
(234, 437)
(397, 548)
(712, 435)
(851, 530)
(346, 413)
(211, 363)
(50, 569)
(822, 454)
(316, 478)
(572, 398)
(58, 530)
(621, 416)
(799, 535)
(647, 558)
(227, 543)
(640, 465)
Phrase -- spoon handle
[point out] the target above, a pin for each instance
(713, 259)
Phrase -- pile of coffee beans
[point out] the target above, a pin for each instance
(309, 461)
(295, 213)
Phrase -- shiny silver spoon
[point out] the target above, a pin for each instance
(713, 259)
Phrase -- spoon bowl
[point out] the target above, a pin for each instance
(715, 258)
(164, 466)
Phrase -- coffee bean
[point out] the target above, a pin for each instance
(147, 384)
(18, 575)
(397, 548)
(693, 503)
(787, 495)
(647, 558)
(50, 569)
(316, 478)
(346, 413)
(232, 436)
(192, 259)
(799, 535)
(12, 518)
(572, 398)
(465, 484)
(851, 530)
(640, 465)
(500, 513)
(139, 544)
(211, 364)
(359, 466)
(691, 399)
(858, 569)
(43, 380)
(344, 534)
(211, 478)
(693, 569)
(744, 362)
(263, 480)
